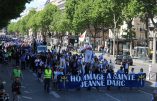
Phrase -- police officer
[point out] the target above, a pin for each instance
(47, 78)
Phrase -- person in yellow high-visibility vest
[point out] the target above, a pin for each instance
(17, 73)
(47, 79)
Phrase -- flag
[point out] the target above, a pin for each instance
(82, 37)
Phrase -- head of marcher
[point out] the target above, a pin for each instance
(132, 69)
(121, 68)
(141, 70)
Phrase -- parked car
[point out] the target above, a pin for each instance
(127, 59)
(120, 59)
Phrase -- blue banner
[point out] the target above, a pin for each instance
(101, 80)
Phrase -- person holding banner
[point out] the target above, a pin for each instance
(132, 73)
(96, 69)
(120, 71)
(111, 71)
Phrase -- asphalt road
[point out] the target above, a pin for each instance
(32, 90)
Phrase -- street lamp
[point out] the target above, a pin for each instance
(153, 32)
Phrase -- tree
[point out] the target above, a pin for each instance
(150, 9)
(60, 24)
(45, 18)
(12, 27)
(97, 15)
(131, 10)
(10, 9)
(70, 7)
(32, 21)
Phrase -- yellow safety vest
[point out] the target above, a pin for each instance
(16, 73)
(48, 73)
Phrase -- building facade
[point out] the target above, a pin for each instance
(127, 45)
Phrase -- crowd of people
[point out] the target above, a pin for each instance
(49, 65)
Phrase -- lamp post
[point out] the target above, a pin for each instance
(153, 32)
(154, 48)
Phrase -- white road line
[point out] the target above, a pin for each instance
(55, 94)
(145, 92)
(112, 97)
(34, 75)
(26, 97)
(27, 92)
(23, 87)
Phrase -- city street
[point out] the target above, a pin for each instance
(66, 42)
(32, 90)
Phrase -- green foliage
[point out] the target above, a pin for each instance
(70, 7)
(130, 35)
(97, 13)
(33, 21)
(12, 28)
(131, 10)
(46, 17)
(82, 16)
(60, 23)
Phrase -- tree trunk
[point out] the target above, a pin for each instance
(131, 48)
(114, 39)
(95, 38)
(94, 41)
(114, 43)
(117, 52)
(103, 38)
(146, 30)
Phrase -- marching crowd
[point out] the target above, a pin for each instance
(49, 65)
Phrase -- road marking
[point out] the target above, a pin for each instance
(27, 92)
(23, 87)
(26, 97)
(145, 92)
(34, 75)
(55, 94)
(112, 97)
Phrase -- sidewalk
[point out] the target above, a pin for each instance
(135, 60)
(138, 62)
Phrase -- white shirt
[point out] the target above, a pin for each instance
(126, 66)
(132, 73)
